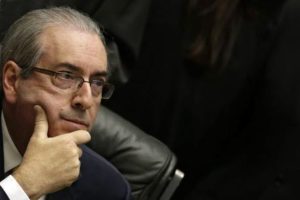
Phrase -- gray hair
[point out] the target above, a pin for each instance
(21, 41)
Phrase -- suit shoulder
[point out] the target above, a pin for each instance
(100, 177)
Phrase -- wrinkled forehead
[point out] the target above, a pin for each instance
(68, 45)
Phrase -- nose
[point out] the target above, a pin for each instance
(83, 98)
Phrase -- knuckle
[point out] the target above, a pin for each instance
(76, 163)
(69, 183)
(73, 151)
(75, 173)
(79, 152)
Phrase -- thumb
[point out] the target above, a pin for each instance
(41, 123)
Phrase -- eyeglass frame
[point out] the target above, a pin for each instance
(105, 85)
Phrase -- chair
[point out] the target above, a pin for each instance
(147, 164)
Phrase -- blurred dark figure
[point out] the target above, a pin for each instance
(218, 81)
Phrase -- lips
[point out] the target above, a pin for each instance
(73, 120)
(77, 123)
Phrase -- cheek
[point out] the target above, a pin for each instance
(93, 115)
(54, 129)
(55, 124)
(51, 105)
(31, 92)
(94, 109)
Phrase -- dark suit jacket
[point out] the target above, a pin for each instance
(98, 180)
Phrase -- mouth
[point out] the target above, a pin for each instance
(77, 123)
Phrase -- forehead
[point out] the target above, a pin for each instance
(76, 47)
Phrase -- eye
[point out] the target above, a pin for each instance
(66, 75)
(98, 83)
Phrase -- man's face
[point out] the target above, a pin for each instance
(66, 50)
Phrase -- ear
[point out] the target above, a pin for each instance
(10, 76)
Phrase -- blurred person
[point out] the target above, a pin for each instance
(218, 81)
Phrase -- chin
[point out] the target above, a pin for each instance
(66, 129)
(55, 134)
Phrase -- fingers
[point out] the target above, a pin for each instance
(41, 123)
(80, 137)
(79, 152)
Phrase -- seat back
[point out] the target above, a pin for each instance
(147, 164)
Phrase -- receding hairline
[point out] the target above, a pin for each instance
(48, 30)
(51, 38)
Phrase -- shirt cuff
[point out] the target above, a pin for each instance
(12, 189)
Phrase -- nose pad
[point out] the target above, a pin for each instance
(80, 84)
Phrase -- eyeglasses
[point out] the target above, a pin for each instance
(66, 80)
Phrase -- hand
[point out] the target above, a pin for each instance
(49, 164)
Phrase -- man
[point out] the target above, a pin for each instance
(54, 76)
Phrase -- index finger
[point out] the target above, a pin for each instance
(80, 136)
(41, 123)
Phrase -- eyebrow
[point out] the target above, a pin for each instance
(79, 70)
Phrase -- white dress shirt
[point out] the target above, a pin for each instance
(12, 158)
